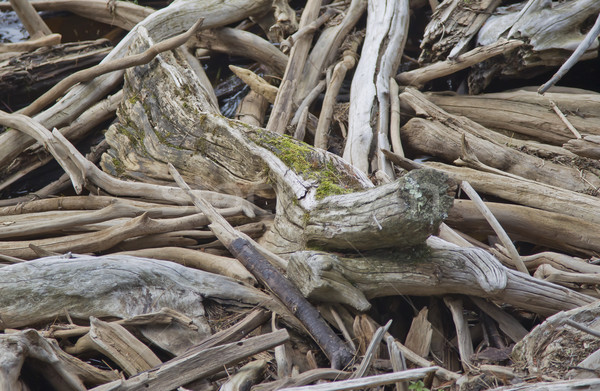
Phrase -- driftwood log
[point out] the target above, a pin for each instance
(440, 268)
(527, 113)
(134, 286)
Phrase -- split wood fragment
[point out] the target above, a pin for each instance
(195, 364)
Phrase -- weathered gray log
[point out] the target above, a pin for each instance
(401, 214)
(162, 24)
(124, 15)
(110, 286)
(550, 229)
(440, 268)
(526, 192)
(26, 76)
(317, 203)
(441, 135)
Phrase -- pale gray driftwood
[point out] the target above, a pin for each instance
(440, 269)
(441, 134)
(110, 286)
(367, 382)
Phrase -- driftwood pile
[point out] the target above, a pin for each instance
(329, 232)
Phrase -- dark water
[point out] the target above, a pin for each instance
(11, 29)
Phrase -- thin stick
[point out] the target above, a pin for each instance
(491, 219)
(365, 383)
(583, 328)
(421, 76)
(310, 98)
(564, 119)
(301, 126)
(32, 44)
(110, 66)
(581, 49)
(395, 118)
(365, 365)
(286, 44)
(339, 73)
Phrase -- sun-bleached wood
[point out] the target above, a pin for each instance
(196, 363)
(368, 119)
(526, 113)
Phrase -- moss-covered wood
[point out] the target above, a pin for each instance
(167, 115)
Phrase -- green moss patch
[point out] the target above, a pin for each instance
(304, 161)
